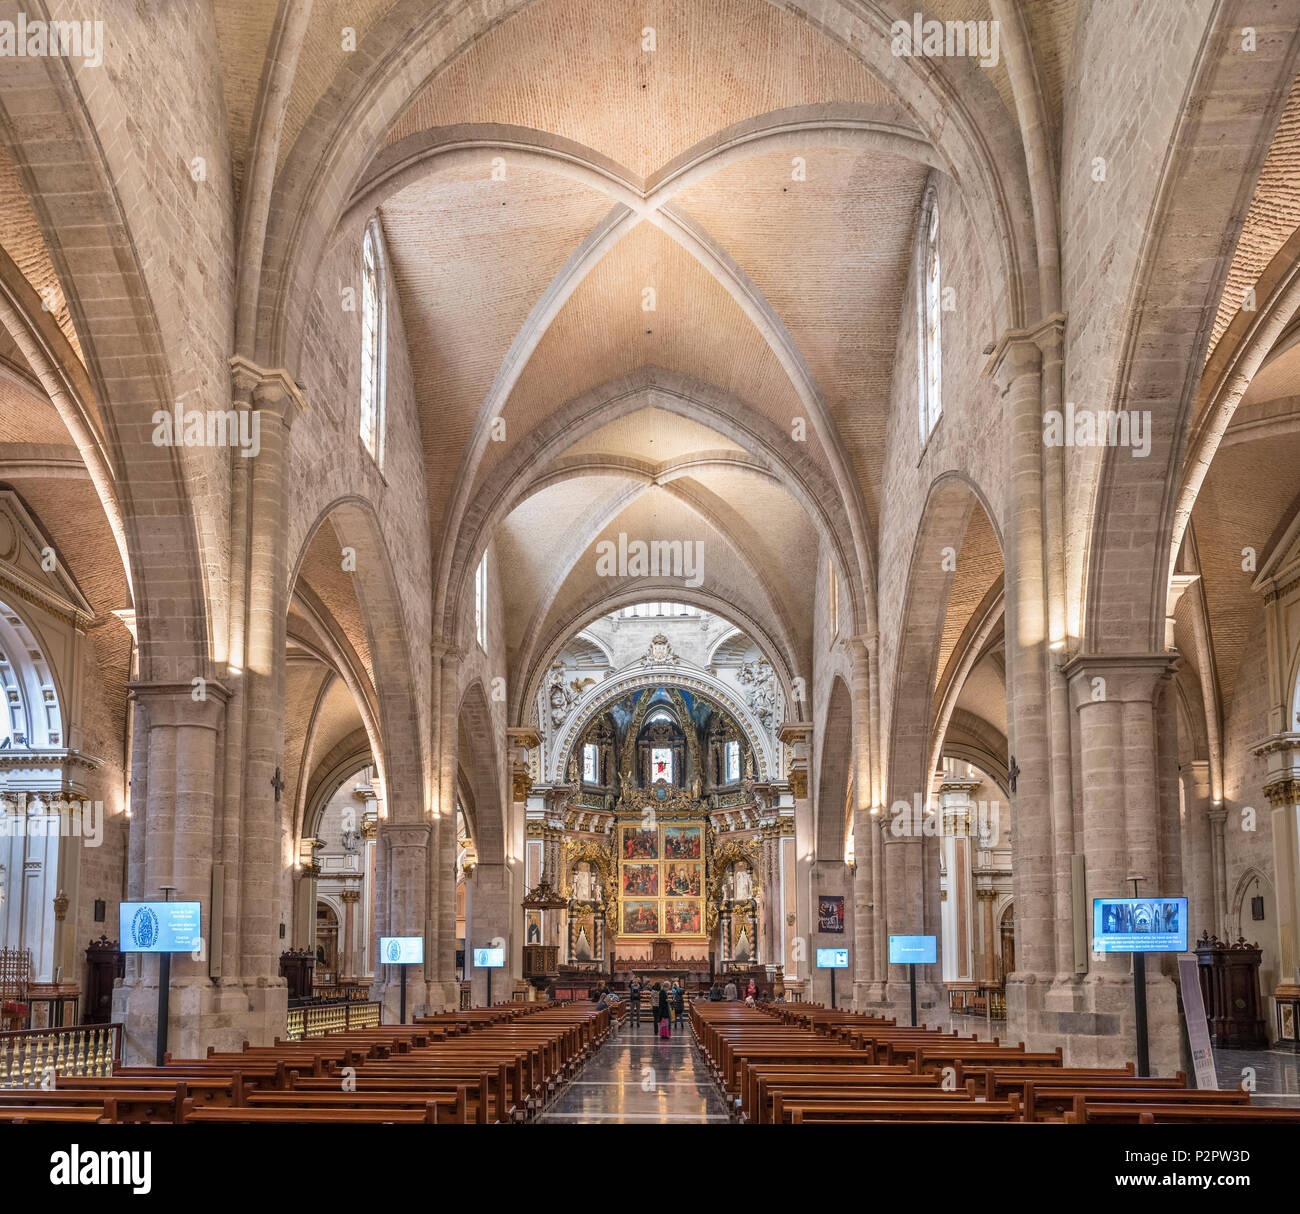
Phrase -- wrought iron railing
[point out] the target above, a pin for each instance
(316, 1020)
(30, 1058)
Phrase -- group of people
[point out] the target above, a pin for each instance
(730, 993)
(667, 1003)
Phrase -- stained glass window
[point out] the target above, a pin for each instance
(732, 754)
(590, 756)
(661, 763)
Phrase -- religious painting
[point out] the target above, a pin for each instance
(641, 880)
(641, 918)
(533, 927)
(830, 914)
(681, 842)
(640, 843)
(683, 880)
(681, 918)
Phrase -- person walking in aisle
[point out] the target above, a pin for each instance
(663, 1022)
(634, 999)
(679, 1004)
(654, 1006)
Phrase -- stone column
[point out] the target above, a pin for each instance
(1197, 863)
(406, 847)
(304, 919)
(866, 816)
(1284, 797)
(442, 859)
(262, 828)
(348, 964)
(1218, 816)
(489, 916)
(1017, 365)
(177, 750)
(1115, 701)
(798, 864)
(985, 971)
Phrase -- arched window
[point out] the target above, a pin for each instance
(930, 388)
(373, 335)
(731, 755)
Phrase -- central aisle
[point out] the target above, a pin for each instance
(637, 1079)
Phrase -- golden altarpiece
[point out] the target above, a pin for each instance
(660, 848)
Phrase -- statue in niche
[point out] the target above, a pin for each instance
(697, 786)
(743, 879)
(583, 882)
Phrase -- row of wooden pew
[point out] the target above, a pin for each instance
(806, 1064)
(500, 1064)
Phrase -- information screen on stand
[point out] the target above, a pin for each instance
(832, 958)
(159, 927)
(489, 958)
(913, 950)
(1139, 925)
(401, 950)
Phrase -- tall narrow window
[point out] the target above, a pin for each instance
(731, 753)
(661, 763)
(833, 598)
(372, 343)
(931, 377)
(480, 603)
(589, 755)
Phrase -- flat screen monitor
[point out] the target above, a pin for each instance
(1139, 925)
(489, 958)
(832, 958)
(913, 950)
(158, 927)
(401, 950)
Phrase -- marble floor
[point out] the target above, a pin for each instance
(637, 1079)
(1276, 1073)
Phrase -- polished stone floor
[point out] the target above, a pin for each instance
(1276, 1073)
(637, 1079)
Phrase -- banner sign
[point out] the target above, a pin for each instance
(1198, 1029)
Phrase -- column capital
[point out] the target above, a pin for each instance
(175, 703)
(1021, 351)
(406, 834)
(1125, 677)
(271, 389)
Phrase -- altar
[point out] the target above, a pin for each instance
(658, 851)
